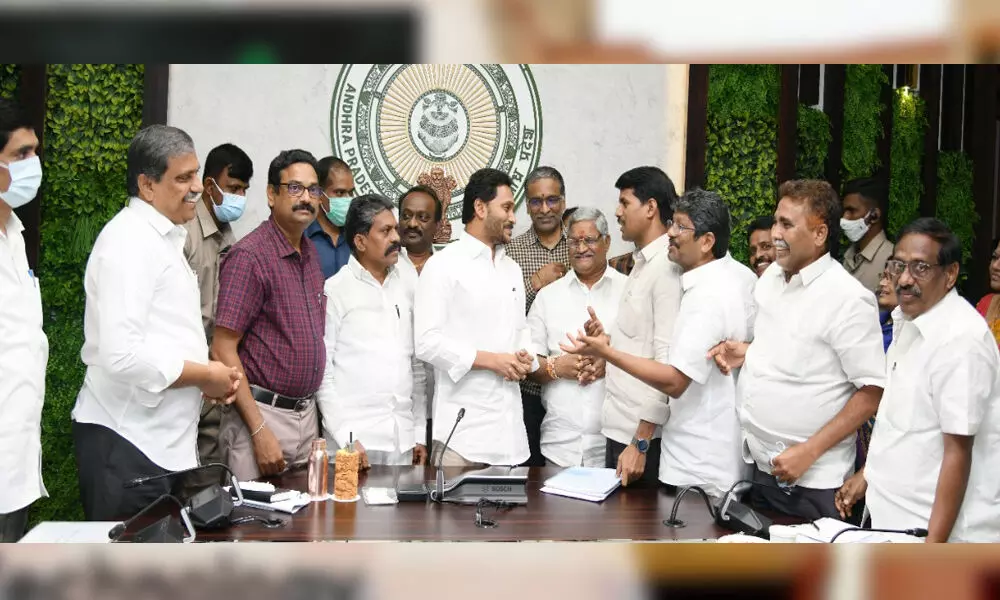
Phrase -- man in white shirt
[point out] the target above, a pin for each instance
(24, 351)
(420, 215)
(572, 394)
(368, 391)
(469, 323)
(813, 373)
(933, 458)
(701, 441)
(633, 411)
(144, 343)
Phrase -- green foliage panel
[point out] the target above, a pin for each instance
(741, 159)
(812, 142)
(955, 204)
(740, 166)
(92, 114)
(862, 120)
(905, 185)
(749, 91)
(9, 75)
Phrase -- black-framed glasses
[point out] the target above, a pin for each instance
(919, 269)
(589, 242)
(680, 228)
(551, 201)
(295, 189)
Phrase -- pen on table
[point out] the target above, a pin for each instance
(398, 316)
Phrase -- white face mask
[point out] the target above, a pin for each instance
(856, 229)
(25, 177)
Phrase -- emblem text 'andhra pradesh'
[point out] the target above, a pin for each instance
(393, 124)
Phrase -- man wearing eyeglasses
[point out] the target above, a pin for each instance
(573, 389)
(270, 322)
(701, 444)
(543, 256)
(933, 457)
(813, 373)
(337, 181)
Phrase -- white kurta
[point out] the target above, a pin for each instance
(943, 377)
(24, 353)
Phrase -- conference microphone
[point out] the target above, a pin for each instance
(165, 530)
(211, 507)
(730, 514)
(915, 532)
(439, 487)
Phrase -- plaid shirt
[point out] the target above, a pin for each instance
(274, 296)
(529, 253)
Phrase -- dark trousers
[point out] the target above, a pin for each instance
(650, 475)
(534, 413)
(105, 461)
(12, 525)
(801, 502)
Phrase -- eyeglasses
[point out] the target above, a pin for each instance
(919, 269)
(590, 242)
(680, 228)
(551, 201)
(295, 189)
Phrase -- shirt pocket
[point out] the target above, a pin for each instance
(634, 314)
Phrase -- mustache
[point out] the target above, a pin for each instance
(780, 244)
(191, 197)
(393, 247)
(412, 230)
(909, 289)
(304, 206)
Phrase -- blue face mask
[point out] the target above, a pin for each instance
(338, 209)
(231, 208)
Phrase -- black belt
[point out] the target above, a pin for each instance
(265, 396)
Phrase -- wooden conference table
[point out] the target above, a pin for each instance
(633, 513)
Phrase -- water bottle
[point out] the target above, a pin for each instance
(318, 468)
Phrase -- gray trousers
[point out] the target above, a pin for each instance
(12, 525)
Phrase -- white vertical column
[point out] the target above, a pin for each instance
(675, 134)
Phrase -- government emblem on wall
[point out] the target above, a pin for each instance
(394, 123)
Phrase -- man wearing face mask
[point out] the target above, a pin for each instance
(144, 345)
(337, 182)
(24, 350)
(814, 371)
(225, 180)
(865, 208)
(369, 381)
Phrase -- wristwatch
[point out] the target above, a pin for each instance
(642, 445)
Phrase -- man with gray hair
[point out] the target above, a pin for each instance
(701, 440)
(144, 344)
(573, 387)
(368, 388)
(542, 254)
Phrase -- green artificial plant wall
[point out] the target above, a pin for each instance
(862, 120)
(741, 155)
(955, 205)
(905, 184)
(9, 75)
(93, 111)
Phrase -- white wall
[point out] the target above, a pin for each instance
(597, 121)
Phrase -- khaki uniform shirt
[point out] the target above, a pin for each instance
(203, 250)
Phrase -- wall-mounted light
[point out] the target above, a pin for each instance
(907, 76)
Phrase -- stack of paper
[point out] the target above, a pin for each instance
(584, 483)
(823, 530)
(290, 502)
